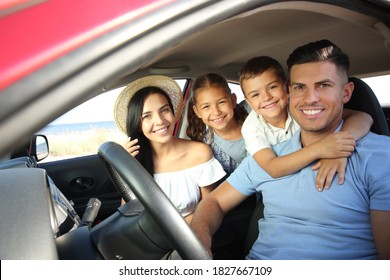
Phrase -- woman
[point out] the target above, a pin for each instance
(185, 170)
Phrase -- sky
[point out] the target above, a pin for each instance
(101, 108)
(381, 86)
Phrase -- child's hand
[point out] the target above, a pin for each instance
(336, 145)
(327, 168)
(131, 147)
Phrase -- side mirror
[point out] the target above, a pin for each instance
(39, 147)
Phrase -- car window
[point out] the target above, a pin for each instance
(80, 131)
(380, 86)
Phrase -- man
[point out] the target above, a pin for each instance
(351, 221)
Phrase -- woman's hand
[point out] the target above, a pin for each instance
(131, 146)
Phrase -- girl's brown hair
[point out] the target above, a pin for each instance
(196, 128)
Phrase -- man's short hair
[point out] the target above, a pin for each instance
(323, 50)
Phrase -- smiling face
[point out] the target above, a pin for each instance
(157, 119)
(317, 94)
(266, 95)
(215, 107)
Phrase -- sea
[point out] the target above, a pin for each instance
(54, 129)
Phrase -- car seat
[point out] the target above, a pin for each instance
(363, 99)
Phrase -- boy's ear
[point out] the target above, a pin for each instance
(347, 91)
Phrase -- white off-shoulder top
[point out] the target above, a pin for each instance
(182, 187)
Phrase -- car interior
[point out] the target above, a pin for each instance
(364, 99)
(70, 209)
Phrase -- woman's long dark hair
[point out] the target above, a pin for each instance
(196, 128)
(133, 124)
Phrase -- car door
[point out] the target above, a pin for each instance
(82, 178)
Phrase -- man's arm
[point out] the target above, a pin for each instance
(211, 210)
(380, 222)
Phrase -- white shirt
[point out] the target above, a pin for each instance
(182, 187)
(259, 134)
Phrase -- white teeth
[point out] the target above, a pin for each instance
(218, 120)
(160, 131)
(269, 106)
(311, 112)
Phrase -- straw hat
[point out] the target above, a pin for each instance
(165, 83)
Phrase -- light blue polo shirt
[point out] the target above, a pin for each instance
(301, 223)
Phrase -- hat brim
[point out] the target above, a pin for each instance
(165, 83)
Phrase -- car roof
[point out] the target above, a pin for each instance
(65, 65)
(46, 30)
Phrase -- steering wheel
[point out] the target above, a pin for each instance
(135, 179)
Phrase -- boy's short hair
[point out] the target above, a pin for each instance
(258, 65)
(323, 50)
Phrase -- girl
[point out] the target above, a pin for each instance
(215, 118)
(185, 170)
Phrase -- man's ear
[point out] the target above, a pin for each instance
(347, 91)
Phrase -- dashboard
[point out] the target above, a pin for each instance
(63, 217)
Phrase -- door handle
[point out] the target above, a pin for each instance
(83, 183)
